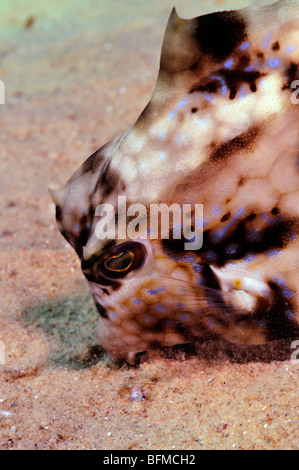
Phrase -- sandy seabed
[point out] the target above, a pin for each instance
(75, 76)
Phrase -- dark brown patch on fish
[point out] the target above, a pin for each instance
(240, 142)
(100, 309)
(292, 73)
(218, 34)
(92, 163)
(279, 321)
(235, 78)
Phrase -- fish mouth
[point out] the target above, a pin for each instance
(243, 298)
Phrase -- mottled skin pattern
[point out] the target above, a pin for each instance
(221, 130)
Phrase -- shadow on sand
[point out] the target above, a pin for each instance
(70, 323)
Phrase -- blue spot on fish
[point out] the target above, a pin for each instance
(216, 237)
(159, 308)
(287, 293)
(219, 234)
(137, 301)
(271, 220)
(221, 80)
(273, 253)
(279, 281)
(265, 217)
(179, 106)
(291, 237)
(211, 256)
(229, 63)
(232, 249)
(248, 258)
(290, 48)
(216, 210)
(197, 268)
(263, 83)
(189, 259)
(202, 122)
(155, 291)
(273, 62)
(182, 103)
(174, 256)
(253, 235)
(242, 92)
(77, 228)
(290, 314)
(260, 322)
(244, 46)
(266, 40)
(209, 97)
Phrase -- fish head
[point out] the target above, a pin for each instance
(186, 224)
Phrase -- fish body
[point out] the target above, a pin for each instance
(221, 133)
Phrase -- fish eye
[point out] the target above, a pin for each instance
(120, 263)
(122, 260)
